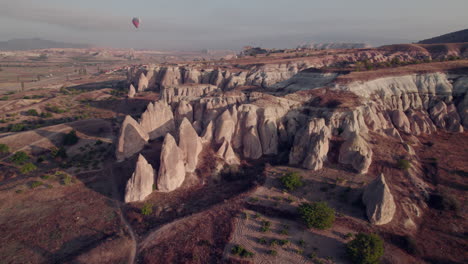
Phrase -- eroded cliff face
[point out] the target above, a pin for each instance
(290, 118)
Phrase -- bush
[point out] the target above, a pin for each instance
(66, 179)
(19, 157)
(365, 249)
(242, 252)
(55, 109)
(317, 215)
(4, 148)
(16, 127)
(444, 201)
(46, 115)
(403, 164)
(58, 153)
(70, 138)
(27, 168)
(147, 209)
(265, 226)
(32, 112)
(35, 184)
(272, 252)
(291, 181)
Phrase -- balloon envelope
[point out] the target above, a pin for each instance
(136, 22)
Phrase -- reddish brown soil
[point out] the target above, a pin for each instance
(200, 238)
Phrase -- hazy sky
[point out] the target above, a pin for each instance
(218, 24)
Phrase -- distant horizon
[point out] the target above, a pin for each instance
(217, 25)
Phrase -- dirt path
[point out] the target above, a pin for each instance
(115, 195)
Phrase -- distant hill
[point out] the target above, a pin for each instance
(37, 43)
(454, 37)
(334, 45)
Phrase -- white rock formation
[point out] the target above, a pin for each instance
(401, 122)
(207, 135)
(190, 144)
(158, 120)
(311, 145)
(225, 126)
(171, 169)
(132, 139)
(184, 110)
(379, 202)
(227, 153)
(142, 83)
(356, 152)
(140, 185)
(131, 91)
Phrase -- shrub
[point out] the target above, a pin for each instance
(242, 252)
(16, 127)
(403, 164)
(272, 252)
(147, 209)
(27, 168)
(265, 226)
(4, 148)
(46, 115)
(19, 157)
(65, 178)
(55, 109)
(291, 181)
(35, 184)
(58, 153)
(70, 138)
(46, 176)
(365, 249)
(444, 201)
(262, 241)
(32, 112)
(4, 98)
(302, 243)
(317, 215)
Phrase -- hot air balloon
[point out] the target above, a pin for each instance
(136, 22)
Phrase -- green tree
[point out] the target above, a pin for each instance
(317, 215)
(365, 249)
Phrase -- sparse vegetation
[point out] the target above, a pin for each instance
(55, 109)
(262, 241)
(27, 168)
(291, 181)
(317, 215)
(32, 112)
(302, 243)
(272, 252)
(266, 225)
(444, 200)
(238, 250)
(403, 164)
(19, 157)
(365, 249)
(35, 184)
(4, 149)
(147, 209)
